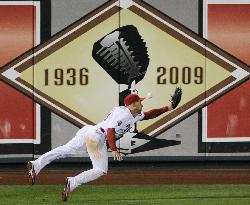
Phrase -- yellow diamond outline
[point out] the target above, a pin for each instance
(141, 8)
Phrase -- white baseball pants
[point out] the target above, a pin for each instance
(89, 139)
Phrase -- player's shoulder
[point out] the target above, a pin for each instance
(140, 116)
(121, 110)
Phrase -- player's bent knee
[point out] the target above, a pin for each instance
(101, 171)
(91, 145)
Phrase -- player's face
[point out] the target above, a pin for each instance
(138, 107)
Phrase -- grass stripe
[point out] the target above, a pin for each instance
(129, 194)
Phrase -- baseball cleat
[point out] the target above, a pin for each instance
(31, 172)
(66, 190)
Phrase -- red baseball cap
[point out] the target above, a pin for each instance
(131, 98)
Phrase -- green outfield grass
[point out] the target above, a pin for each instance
(128, 194)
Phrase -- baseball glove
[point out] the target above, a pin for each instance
(176, 98)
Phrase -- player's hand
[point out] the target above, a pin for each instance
(117, 156)
(169, 105)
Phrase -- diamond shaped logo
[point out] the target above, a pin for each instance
(63, 75)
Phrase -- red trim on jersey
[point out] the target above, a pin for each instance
(111, 139)
(154, 113)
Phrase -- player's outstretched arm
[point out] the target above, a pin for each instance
(155, 112)
(172, 104)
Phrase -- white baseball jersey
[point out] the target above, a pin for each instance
(121, 119)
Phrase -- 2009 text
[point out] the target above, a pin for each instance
(176, 75)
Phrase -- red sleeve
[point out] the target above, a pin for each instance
(154, 113)
(111, 139)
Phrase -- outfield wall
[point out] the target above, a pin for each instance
(51, 85)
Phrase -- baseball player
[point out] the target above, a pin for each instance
(93, 140)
